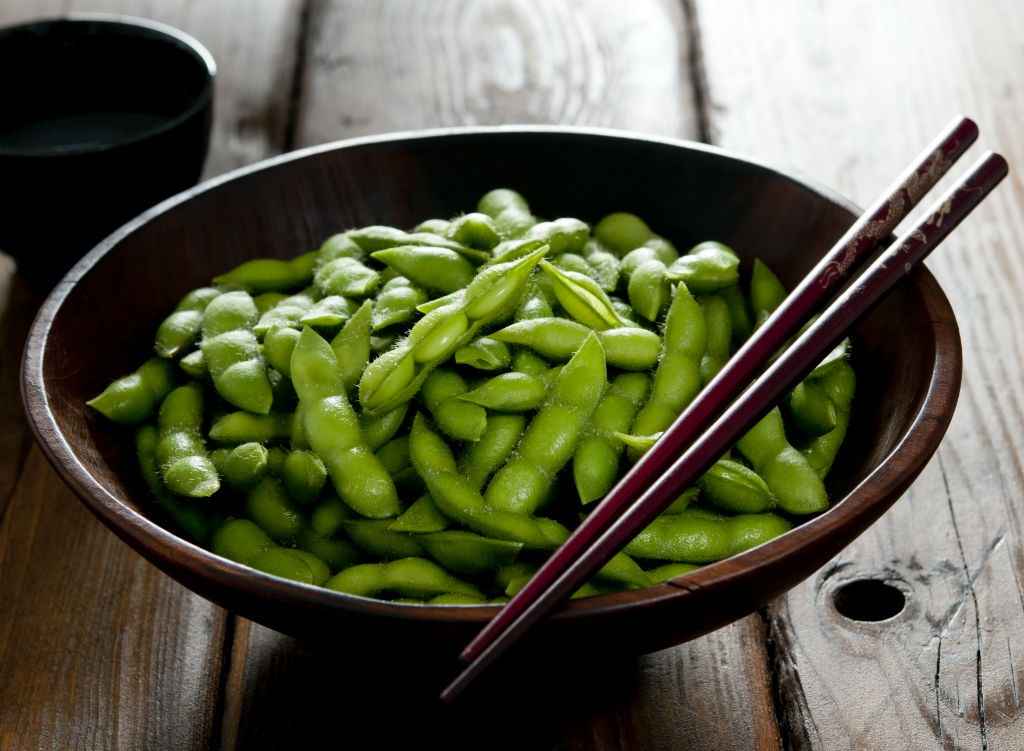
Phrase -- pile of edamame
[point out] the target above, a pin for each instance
(423, 415)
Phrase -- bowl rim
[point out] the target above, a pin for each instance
(868, 500)
(121, 23)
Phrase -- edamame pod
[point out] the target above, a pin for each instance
(131, 399)
(677, 377)
(332, 429)
(271, 274)
(551, 437)
(180, 451)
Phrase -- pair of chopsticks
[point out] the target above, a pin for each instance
(751, 382)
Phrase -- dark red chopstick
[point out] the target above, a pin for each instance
(849, 251)
(584, 559)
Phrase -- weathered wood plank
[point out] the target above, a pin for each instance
(97, 648)
(375, 67)
(846, 94)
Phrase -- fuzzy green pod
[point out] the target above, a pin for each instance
(595, 463)
(551, 437)
(131, 399)
(271, 274)
(332, 428)
(787, 472)
(180, 451)
(677, 377)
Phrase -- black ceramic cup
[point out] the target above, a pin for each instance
(101, 117)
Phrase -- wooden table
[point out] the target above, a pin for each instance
(99, 650)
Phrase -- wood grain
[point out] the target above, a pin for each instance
(98, 649)
(851, 93)
(402, 64)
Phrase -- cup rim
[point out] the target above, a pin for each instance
(124, 23)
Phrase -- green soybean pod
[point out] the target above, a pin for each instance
(245, 427)
(338, 245)
(707, 267)
(379, 428)
(476, 229)
(328, 516)
(131, 399)
(287, 313)
(346, 276)
(351, 345)
(422, 516)
(191, 519)
(396, 303)
(458, 497)
(718, 323)
(508, 392)
(328, 312)
(582, 298)
(180, 330)
(551, 436)
(621, 232)
(332, 428)
(787, 472)
(604, 264)
(465, 552)
(379, 539)
(648, 289)
(240, 540)
(271, 274)
(809, 407)
(839, 382)
(752, 529)
(625, 347)
(278, 344)
(396, 375)
(304, 475)
(180, 451)
(677, 376)
(245, 465)
(483, 457)
(415, 577)
(509, 211)
(690, 536)
(667, 571)
(766, 291)
(732, 486)
(455, 417)
(269, 506)
(740, 313)
(484, 353)
(232, 353)
(337, 552)
(439, 269)
(292, 563)
(595, 463)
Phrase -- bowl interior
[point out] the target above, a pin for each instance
(98, 323)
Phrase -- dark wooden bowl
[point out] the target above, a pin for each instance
(99, 320)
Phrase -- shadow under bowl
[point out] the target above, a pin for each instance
(102, 117)
(98, 323)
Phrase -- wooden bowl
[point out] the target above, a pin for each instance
(99, 320)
